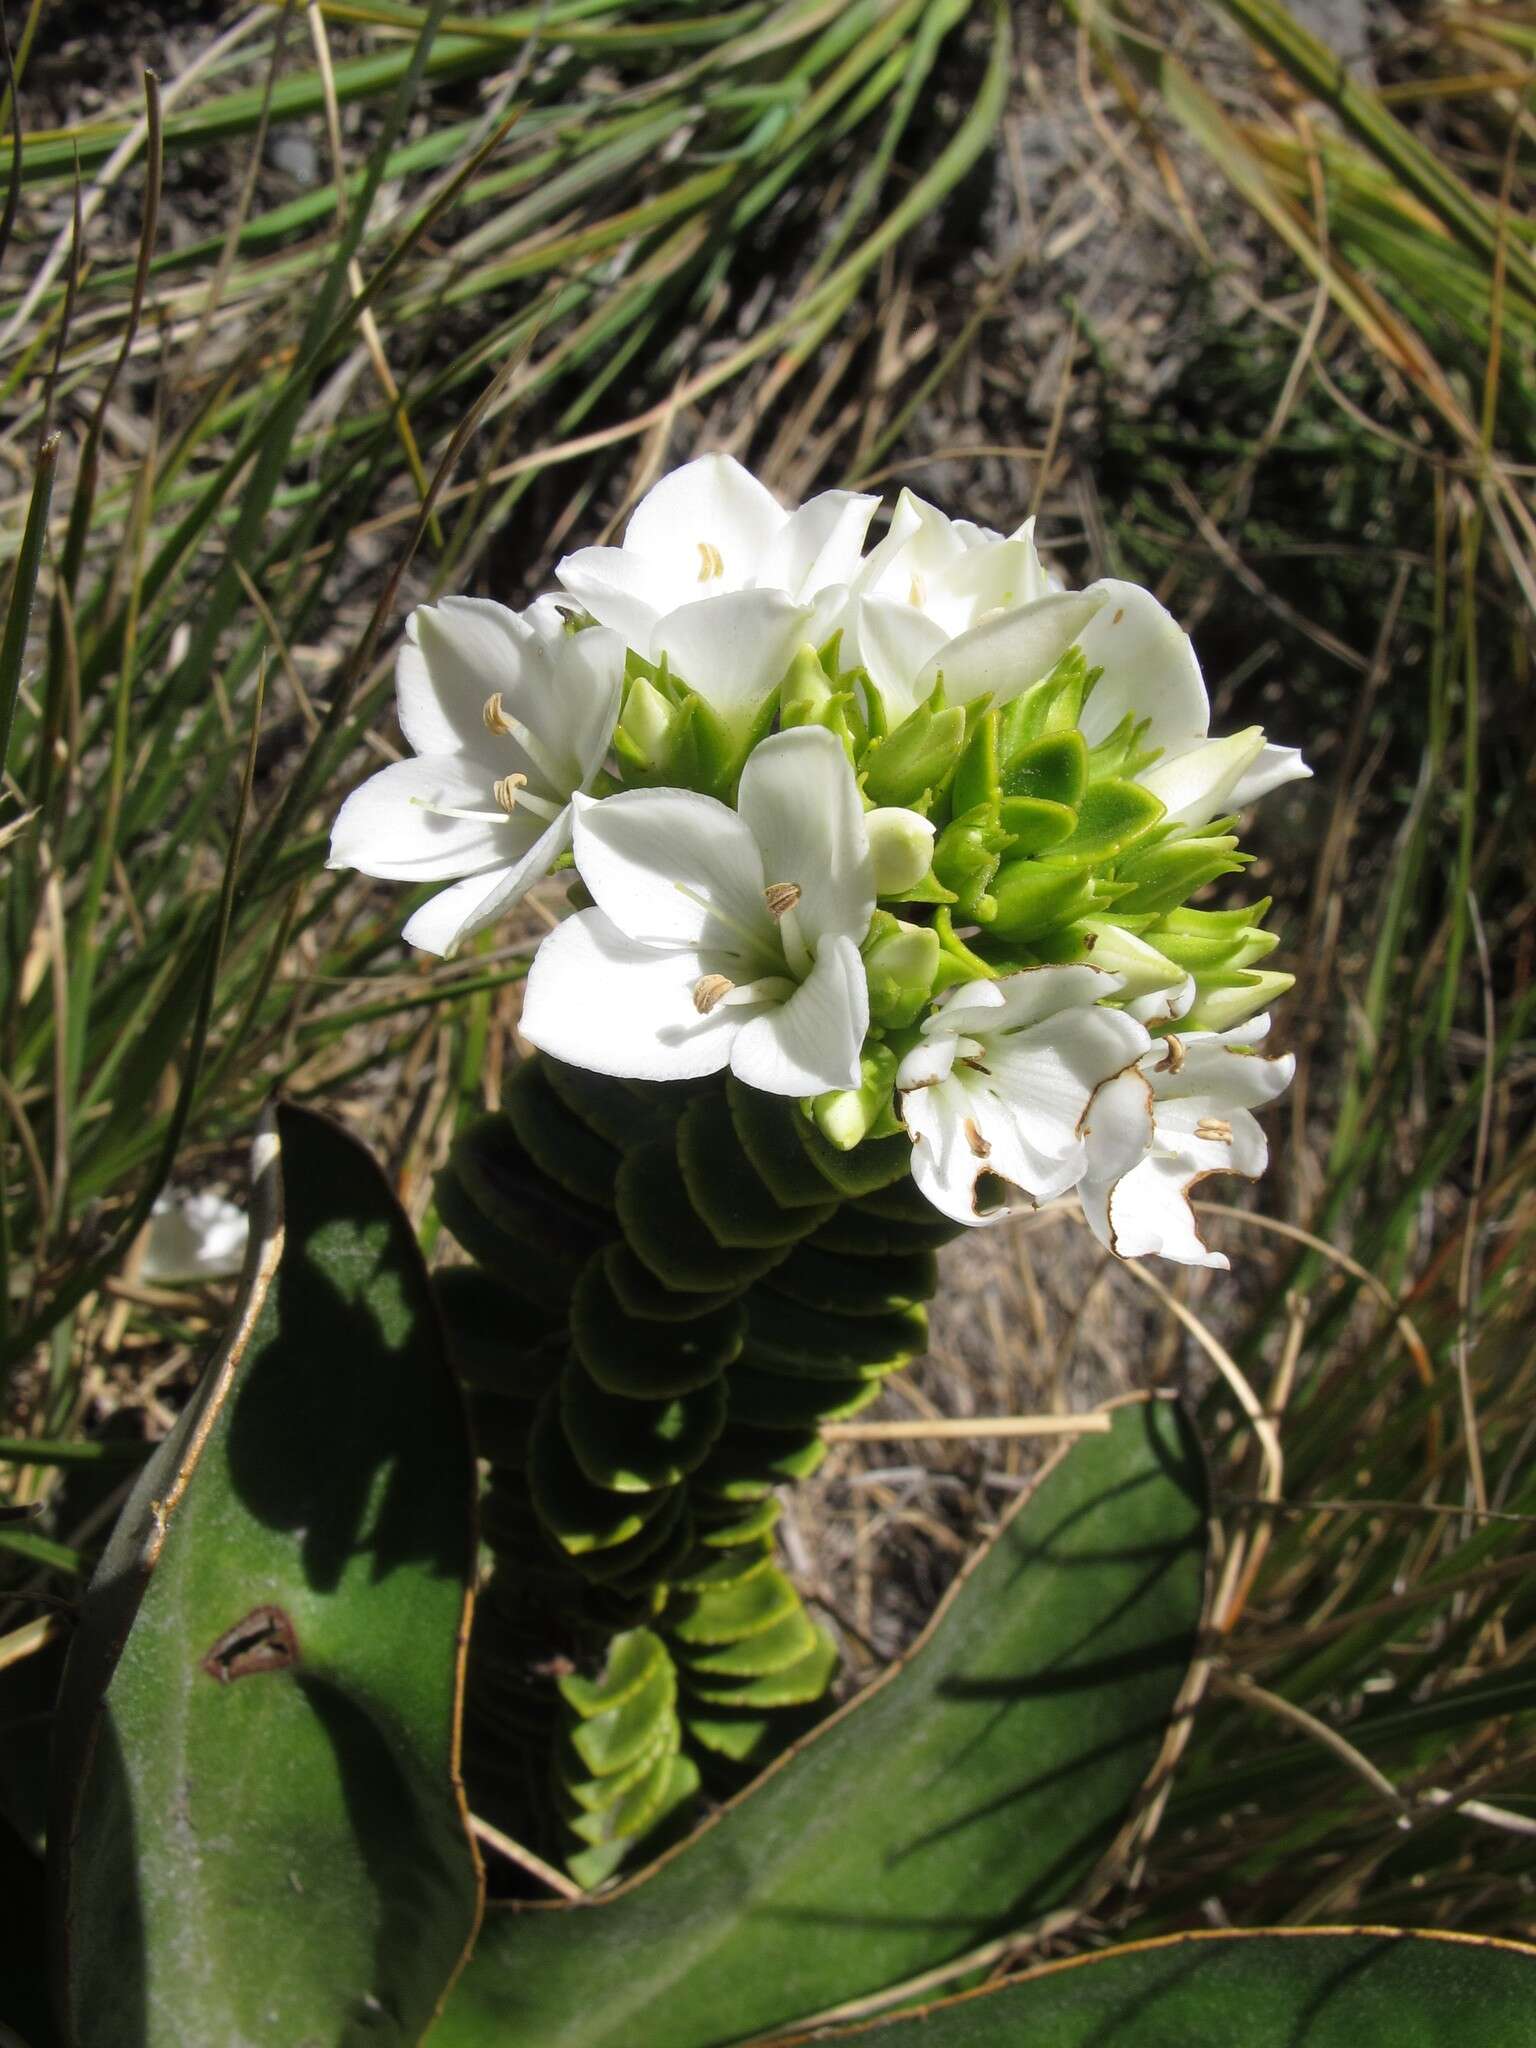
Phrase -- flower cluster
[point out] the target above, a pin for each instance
(905, 830)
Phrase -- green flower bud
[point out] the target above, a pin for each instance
(976, 781)
(1215, 941)
(1234, 1000)
(966, 859)
(1050, 706)
(846, 1116)
(1160, 878)
(1117, 951)
(900, 963)
(1035, 896)
(902, 845)
(650, 729)
(808, 697)
(917, 757)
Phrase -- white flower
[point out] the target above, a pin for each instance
(714, 574)
(1002, 1080)
(508, 715)
(941, 596)
(1184, 1111)
(1150, 672)
(720, 937)
(193, 1237)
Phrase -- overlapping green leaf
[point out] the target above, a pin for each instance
(978, 1785)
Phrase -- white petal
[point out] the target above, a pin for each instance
(1118, 1128)
(1221, 1074)
(895, 642)
(801, 804)
(931, 1060)
(1004, 656)
(1148, 1214)
(620, 590)
(920, 541)
(597, 1000)
(1197, 784)
(817, 546)
(578, 721)
(1027, 997)
(1149, 668)
(663, 862)
(812, 1042)
(1002, 575)
(945, 1164)
(456, 654)
(456, 914)
(387, 827)
(710, 503)
(1274, 767)
(1164, 1005)
(733, 649)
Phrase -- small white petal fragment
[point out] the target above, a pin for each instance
(193, 1238)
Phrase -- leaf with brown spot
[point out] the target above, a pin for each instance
(258, 1833)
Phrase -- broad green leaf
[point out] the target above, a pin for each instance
(1330, 1988)
(980, 1783)
(259, 1828)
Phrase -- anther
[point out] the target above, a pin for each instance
(506, 791)
(495, 718)
(1216, 1128)
(975, 1140)
(917, 591)
(1173, 1058)
(711, 563)
(781, 898)
(710, 990)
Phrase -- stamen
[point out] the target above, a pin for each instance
(711, 563)
(499, 720)
(710, 990)
(976, 1141)
(512, 793)
(1173, 1059)
(781, 897)
(1215, 1128)
(917, 591)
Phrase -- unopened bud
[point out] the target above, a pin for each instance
(1143, 970)
(846, 1116)
(900, 965)
(650, 724)
(1243, 996)
(902, 845)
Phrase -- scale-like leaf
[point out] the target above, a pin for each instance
(258, 1833)
(976, 1786)
(1301, 1988)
